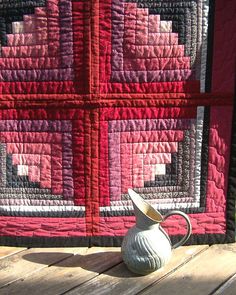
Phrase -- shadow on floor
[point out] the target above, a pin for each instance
(95, 262)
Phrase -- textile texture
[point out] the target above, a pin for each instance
(100, 96)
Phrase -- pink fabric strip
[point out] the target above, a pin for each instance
(29, 23)
(29, 63)
(142, 26)
(34, 173)
(156, 147)
(163, 39)
(130, 22)
(154, 52)
(30, 137)
(138, 179)
(31, 51)
(45, 171)
(152, 136)
(29, 148)
(56, 164)
(159, 158)
(27, 39)
(114, 166)
(149, 173)
(26, 159)
(140, 64)
(154, 23)
(126, 164)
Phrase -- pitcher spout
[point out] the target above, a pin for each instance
(146, 215)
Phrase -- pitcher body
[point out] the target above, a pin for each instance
(145, 251)
(146, 246)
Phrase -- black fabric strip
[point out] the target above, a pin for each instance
(53, 214)
(13, 11)
(210, 46)
(231, 194)
(107, 241)
(204, 159)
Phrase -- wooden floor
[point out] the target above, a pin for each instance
(192, 270)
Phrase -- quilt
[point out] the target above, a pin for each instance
(100, 96)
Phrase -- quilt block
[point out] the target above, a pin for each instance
(162, 154)
(161, 45)
(97, 97)
(38, 52)
(40, 174)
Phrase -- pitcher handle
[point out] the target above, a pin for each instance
(189, 227)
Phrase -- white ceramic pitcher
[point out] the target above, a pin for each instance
(147, 247)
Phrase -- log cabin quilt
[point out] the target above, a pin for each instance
(100, 96)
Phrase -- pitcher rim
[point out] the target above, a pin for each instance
(155, 211)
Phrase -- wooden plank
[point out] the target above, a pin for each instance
(228, 288)
(229, 247)
(17, 266)
(67, 274)
(202, 275)
(119, 280)
(7, 251)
